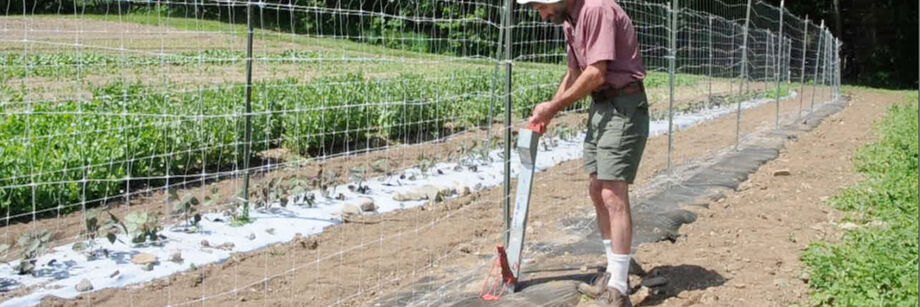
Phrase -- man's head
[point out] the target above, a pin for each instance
(554, 11)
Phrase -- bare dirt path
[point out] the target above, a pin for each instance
(753, 237)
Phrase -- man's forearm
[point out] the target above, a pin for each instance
(586, 82)
(565, 83)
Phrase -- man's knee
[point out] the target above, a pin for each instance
(615, 195)
(594, 186)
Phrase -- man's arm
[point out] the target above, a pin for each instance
(566, 82)
(588, 80)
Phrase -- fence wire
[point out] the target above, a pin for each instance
(154, 121)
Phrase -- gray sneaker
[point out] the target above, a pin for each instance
(597, 287)
(613, 298)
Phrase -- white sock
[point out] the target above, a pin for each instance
(618, 267)
(609, 249)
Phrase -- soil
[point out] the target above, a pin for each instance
(358, 262)
(753, 237)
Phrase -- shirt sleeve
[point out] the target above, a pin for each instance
(599, 34)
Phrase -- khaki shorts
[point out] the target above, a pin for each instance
(617, 131)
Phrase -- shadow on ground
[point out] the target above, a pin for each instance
(679, 279)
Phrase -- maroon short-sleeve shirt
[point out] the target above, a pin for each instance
(599, 30)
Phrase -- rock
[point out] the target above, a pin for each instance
(740, 286)
(252, 236)
(805, 277)
(466, 248)
(79, 246)
(227, 246)
(147, 267)
(304, 242)
(270, 231)
(781, 172)
(434, 196)
(176, 257)
(634, 280)
(84, 286)
(584, 268)
(144, 258)
(709, 298)
(477, 187)
(205, 243)
(350, 209)
(848, 226)
(409, 196)
(654, 281)
(429, 192)
(366, 204)
(463, 190)
(640, 295)
(435, 193)
(114, 274)
(880, 224)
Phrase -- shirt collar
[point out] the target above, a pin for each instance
(574, 8)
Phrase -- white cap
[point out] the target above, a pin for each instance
(538, 1)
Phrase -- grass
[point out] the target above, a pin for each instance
(240, 30)
(875, 264)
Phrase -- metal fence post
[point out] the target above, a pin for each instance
(836, 63)
(802, 77)
(247, 143)
(747, 23)
(507, 156)
(814, 82)
(779, 50)
(710, 59)
(789, 61)
(833, 69)
(731, 63)
(827, 58)
(672, 59)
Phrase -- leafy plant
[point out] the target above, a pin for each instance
(425, 163)
(33, 244)
(142, 227)
(358, 175)
(187, 209)
(325, 182)
(241, 217)
(95, 226)
(875, 264)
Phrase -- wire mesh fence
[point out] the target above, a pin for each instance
(216, 130)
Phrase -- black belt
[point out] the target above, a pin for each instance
(628, 89)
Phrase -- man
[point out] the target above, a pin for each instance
(604, 62)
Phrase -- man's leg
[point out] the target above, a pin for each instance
(603, 226)
(603, 219)
(615, 197)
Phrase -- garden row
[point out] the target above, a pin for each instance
(59, 155)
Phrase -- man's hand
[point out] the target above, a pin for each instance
(542, 114)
